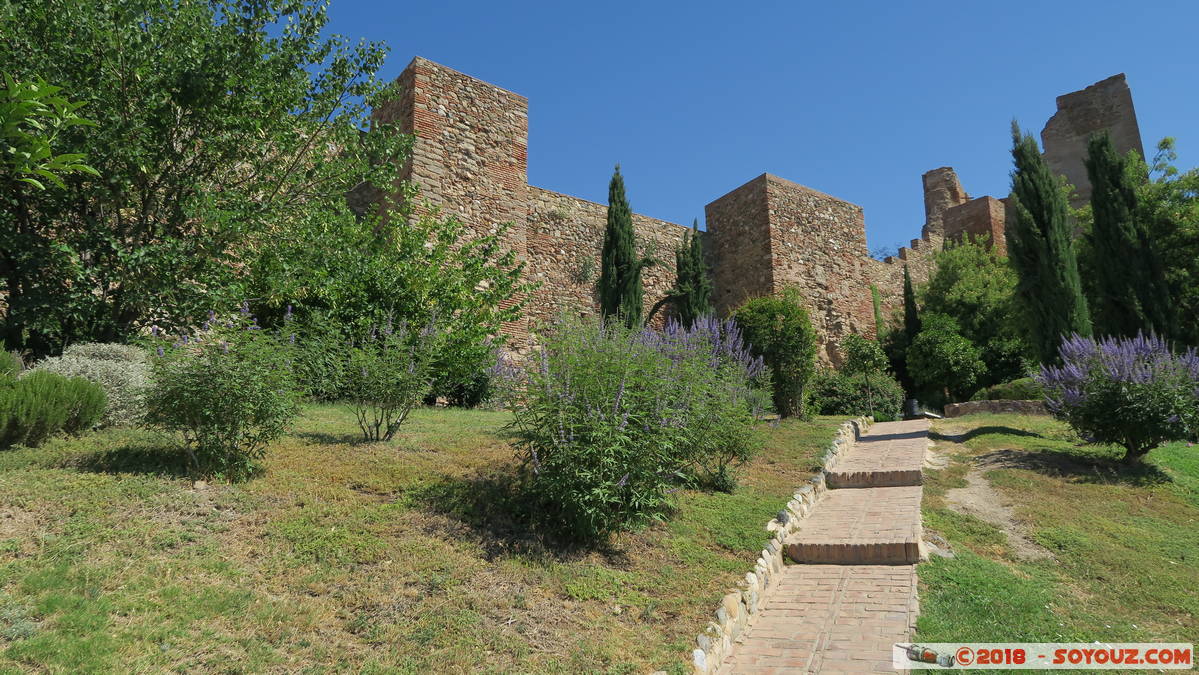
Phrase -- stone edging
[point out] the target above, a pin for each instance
(736, 608)
(997, 406)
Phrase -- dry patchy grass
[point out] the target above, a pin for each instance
(353, 557)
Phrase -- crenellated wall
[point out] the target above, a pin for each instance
(470, 158)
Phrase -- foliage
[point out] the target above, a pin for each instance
(1132, 392)
(856, 393)
(862, 355)
(1040, 242)
(977, 288)
(340, 281)
(779, 331)
(1130, 283)
(219, 124)
(941, 360)
(1169, 205)
(387, 373)
(911, 312)
(691, 295)
(10, 365)
(32, 115)
(1023, 389)
(613, 417)
(619, 286)
(120, 370)
(229, 392)
(876, 300)
(42, 404)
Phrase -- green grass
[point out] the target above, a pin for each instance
(1124, 542)
(352, 557)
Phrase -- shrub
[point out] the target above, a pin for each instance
(387, 373)
(1023, 389)
(10, 365)
(42, 404)
(229, 392)
(106, 351)
(612, 419)
(779, 331)
(1132, 392)
(841, 393)
(941, 360)
(862, 355)
(120, 370)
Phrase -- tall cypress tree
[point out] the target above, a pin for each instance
(911, 315)
(1040, 245)
(1130, 284)
(619, 287)
(694, 285)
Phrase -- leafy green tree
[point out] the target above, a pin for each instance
(1040, 241)
(1169, 206)
(778, 330)
(619, 287)
(943, 362)
(1130, 284)
(862, 355)
(976, 287)
(219, 123)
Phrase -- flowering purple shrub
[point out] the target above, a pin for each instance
(1132, 392)
(386, 373)
(612, 419)
(229, 390)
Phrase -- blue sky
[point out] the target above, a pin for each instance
(856, 99)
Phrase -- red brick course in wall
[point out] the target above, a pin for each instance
(470, 159)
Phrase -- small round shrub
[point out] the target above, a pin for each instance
(229, 393)
(387, 373)
(42, 404)
(840, 393)
(779, 331)
(1023, 389)
(1132, 392)
(124, 379)
(107, 351)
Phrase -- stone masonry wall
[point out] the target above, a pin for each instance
(565, 237)
(471, 158)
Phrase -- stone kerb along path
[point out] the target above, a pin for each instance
(852, 594)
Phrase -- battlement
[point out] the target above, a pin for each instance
(470, 158)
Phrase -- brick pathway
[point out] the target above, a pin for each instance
(841, 610)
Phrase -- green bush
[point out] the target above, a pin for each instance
(841, 393)
(121, 371)
(941, 360)
(42, 404)
(10, 364)
(862, 355)
(612, 419)
(386, 374)
(228, 392)
(1023, 389)
(779, 331)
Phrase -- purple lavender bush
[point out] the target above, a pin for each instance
(1133, 392)
(611, 420)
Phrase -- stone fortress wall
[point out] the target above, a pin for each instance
(470, 158)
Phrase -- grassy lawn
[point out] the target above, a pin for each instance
(1123, 545)
(350, 557)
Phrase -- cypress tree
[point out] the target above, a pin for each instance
(619, 287)
(1130, 285)
(1040, 246)
(877, 300)
(694, 285)
(911, 315)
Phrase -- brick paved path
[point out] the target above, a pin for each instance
(855, 594)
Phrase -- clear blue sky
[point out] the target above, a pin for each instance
(856, 99)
